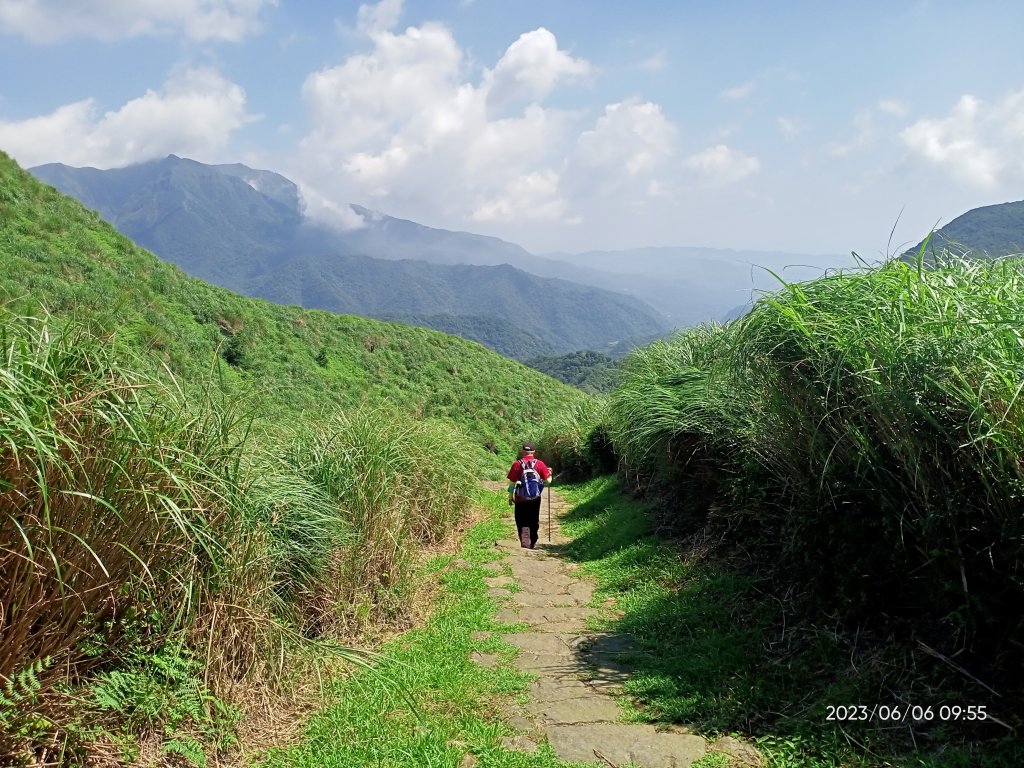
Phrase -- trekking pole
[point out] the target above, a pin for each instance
(549, 514)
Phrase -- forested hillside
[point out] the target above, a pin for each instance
(244, 229)
(989, 231)
(590, 371)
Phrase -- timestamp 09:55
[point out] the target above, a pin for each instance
(901, 713)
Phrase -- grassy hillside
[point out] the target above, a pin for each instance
(55, 253)
(502, 336)
(243, 229)
(194, 485)
(989, 231)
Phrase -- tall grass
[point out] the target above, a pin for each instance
(576, 443)
(395, 485)
(150, 540)
(865, 430)
(112, 512)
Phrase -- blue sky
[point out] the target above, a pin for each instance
(561, 125)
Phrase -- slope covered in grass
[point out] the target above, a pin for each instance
(195, 485)
(56, 254)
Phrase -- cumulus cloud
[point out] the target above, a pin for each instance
(631, 138)
(409, 125)
(531, 68)
(50, 21)
(722, 165)
(404, 122)
(976, 143)
(195, 114)
(534, 196)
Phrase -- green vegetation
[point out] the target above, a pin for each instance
(503, 336)
(592, 372)
(715, 652)
(576, 443)
(213, 224)
(428, 703)
(195, 486)
(287, 361)
(987, 232)
(856, 442)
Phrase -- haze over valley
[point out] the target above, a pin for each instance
(245, 229)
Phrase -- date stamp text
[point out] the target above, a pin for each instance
(904, 713)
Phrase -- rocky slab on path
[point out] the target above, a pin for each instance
(571, 703)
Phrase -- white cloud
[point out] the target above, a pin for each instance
(632, 137)
(195, 115)
(409, 80)
(409, 126)
(976, 143)
(721, 165)
(738, 92)
(374, 19)
(531, 68)
(403, 127)
(654, 63)
(50, 21)
(533, 196)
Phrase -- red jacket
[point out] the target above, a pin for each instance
(517, 469)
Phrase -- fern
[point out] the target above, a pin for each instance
(188, 748)
(163, 690)
(19, 696)
(24, 686)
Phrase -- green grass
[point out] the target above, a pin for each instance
(427, 704)
(54, 254)
(715, 651)
(859, 438)
(196, 484)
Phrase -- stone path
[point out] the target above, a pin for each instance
(572, 703)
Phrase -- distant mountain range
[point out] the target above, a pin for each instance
(990, 231)
(244, 229)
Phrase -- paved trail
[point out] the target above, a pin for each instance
(580, 672)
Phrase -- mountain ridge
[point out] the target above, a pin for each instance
(244, 230)
(989, 231)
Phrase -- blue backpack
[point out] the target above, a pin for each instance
(530, 484)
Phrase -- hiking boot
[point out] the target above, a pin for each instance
(524, 537)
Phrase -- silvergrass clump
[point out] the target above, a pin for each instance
(576, 444)
(394, 485)
(111, 527)
(143, 532)
(865, 430)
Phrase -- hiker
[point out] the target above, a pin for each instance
(528, 476)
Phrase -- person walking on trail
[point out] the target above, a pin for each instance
(528, 476)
